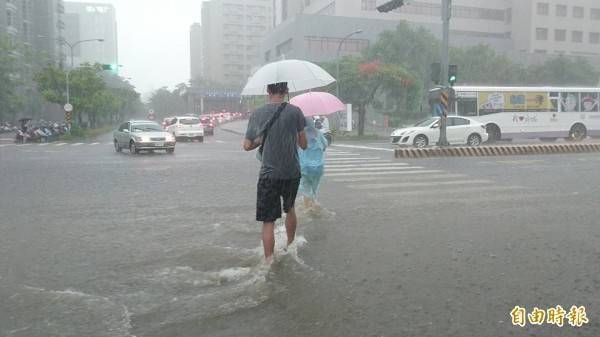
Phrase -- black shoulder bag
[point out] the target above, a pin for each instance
(268, 127)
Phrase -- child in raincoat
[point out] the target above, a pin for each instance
(312, 163)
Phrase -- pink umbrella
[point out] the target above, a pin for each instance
(318, 104)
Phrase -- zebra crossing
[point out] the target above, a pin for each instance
(382, 177)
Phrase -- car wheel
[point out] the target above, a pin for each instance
(200, 139)
(171, 151)
(578, 133)
(493, 133)
(474, 140)
(420, 141)
(117, 146)
(132, 148)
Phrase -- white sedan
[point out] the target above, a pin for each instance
(459, 131)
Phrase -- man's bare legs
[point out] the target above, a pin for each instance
(290, 225)
(268, 237)
(308, 202)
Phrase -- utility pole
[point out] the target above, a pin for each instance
(446, 15)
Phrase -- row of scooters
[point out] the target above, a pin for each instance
(43, 133)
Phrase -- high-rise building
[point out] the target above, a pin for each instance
(34, 24)
(232, 34)
(521, 28)
(92, 21)
(196, 63)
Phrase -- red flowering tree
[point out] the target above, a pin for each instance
(363, 81)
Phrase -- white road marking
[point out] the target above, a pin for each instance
(422, 177)
(77, 144)
(363, 147)
(364, 169)
(43, 144)
(219, 141)
(454, 191)
(379, 173)
(95, 143)
(20, 145)
(60, 144)
(418, 184)
(364, 165)
(357, 161)
(351, 158)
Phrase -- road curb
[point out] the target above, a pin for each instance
(494, 151)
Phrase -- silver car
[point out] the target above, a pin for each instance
(143, 136)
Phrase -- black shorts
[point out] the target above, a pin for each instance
(270, 193)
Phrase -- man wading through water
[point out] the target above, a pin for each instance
(278, 129)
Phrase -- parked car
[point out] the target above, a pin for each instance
(143, 135)
(186, 127)
(459, 131)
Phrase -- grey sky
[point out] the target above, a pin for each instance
(154, 40)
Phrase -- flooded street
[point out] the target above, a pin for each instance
(104, 244)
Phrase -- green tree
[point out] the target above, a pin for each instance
(165, 102)
(563, 71)
(362, 83)
(90, 95)
(483, 65)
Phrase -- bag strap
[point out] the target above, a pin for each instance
(270, 124)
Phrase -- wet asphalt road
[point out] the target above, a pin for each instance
(104, 244)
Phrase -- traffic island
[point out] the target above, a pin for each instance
(493, 151)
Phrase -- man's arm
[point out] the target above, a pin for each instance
(302, 142)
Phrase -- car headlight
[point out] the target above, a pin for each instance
(142, 139)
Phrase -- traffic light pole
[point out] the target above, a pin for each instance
(446, 15)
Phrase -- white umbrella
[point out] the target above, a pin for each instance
(299, 75)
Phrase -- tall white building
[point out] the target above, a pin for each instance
(92, 21)
(232, 34)
(196, 63)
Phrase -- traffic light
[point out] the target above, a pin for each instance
(110, 67)
(436, 72)
(390, 5)
(452, 74)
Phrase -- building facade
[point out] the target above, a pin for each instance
(36, 25)
(232, 34)
(92, 21)
(520, 28)
(196, 62)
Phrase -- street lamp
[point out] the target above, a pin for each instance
(337, 82)
(71, 47)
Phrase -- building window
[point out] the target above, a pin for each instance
(331, 44)
(560, 35)
(543, 8)
(577, 36)
(9, 18)
(595, 13)
(368, 5)
(595, 38)
(578, 12)
(561, 11)
(541, 34)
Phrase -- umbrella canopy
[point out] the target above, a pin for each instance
(318, 103)
(299, 75)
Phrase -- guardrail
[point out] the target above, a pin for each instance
(490, 151)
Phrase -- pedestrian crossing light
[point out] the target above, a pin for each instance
(389, 5)
(452, 74)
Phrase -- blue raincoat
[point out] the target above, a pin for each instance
(312, 160)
